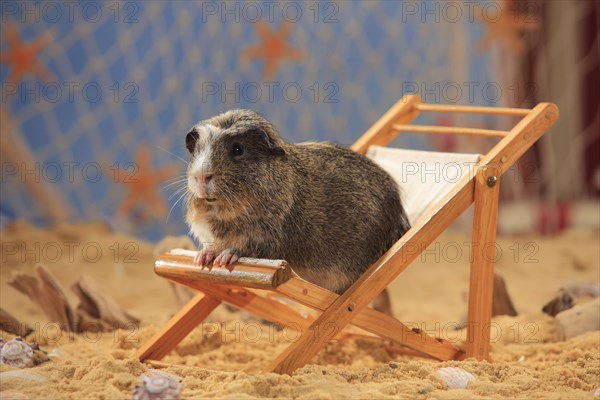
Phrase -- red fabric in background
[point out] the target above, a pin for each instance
(591, 97)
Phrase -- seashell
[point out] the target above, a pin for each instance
(597, 394)
(158, 385)
(17, 353)
(455, 378)
(2, 342)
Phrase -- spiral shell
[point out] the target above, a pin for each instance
(17, 353)
(455, 378)
(158, 385)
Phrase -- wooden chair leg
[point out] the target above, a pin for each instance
(178, 327)
(481, 286)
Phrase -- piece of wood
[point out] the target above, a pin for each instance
(95, 306)
(570, 294)
(47, 294)
(370, 320)
(254, 273)
(444, 130)
(481, 284)
(10, 324)
(471, 109)
(562, 301)
(97, 309)
(178, 327)
(502, 304)
(577, 320)
(381, 132)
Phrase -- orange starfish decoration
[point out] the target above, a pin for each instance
(273, 47)
(507, 28)
(23, 57)
(141, 183)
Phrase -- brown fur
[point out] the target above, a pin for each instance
(328, 211)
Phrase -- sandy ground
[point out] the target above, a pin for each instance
(222, 358)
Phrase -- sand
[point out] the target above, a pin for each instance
(221, 359)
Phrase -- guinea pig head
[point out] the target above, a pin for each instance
(233, 159)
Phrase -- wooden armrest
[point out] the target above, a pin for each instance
(247, 272)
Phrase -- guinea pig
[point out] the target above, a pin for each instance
(327, 210)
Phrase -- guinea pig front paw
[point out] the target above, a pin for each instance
(227, 258)
(205, 257)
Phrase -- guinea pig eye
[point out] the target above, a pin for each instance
(237, 150)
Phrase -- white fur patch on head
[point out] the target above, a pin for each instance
(201, 164)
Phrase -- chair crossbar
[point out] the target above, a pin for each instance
(448, 129)
(472, 109)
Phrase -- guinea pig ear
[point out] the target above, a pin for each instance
(191, 139)
(274, 145)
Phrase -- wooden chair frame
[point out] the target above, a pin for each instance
(246, 288)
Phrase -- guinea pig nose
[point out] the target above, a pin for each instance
(203, 179)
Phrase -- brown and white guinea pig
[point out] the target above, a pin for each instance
(327, 210)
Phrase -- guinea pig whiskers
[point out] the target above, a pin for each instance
(185, 193)
(184, 175)
(179, 181)
(174, 155)
(178, 191)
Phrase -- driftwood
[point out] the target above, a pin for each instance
(561, 302)
(502, 304)
(10, 324)
(96, 308)
(46, 293)
(569, 295)
(577, 320)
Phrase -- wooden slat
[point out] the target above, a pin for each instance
(472, 109)
(370, 320)
(260, 276)
(481, 285)
(178, 327)
(448, 130)
(403, 252)
(381, 132)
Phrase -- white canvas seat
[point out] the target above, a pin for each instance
(424, 177)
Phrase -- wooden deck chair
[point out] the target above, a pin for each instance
(478, 183)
